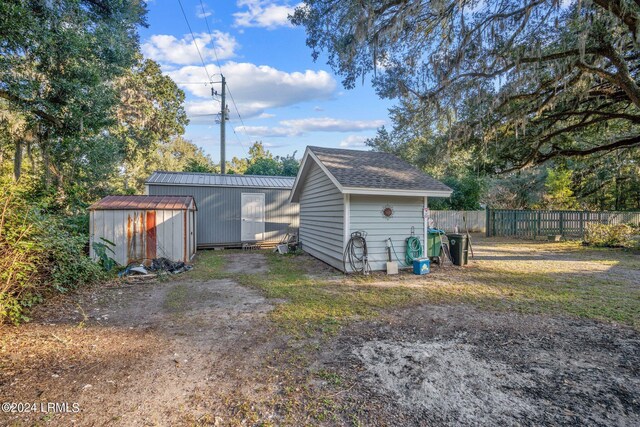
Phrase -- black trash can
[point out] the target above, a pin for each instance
(459, 247)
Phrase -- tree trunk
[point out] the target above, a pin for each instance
(17, 160)
(46, 160)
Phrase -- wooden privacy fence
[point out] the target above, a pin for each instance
(447, 220)
(534, 223)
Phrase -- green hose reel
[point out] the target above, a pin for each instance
(413, 249)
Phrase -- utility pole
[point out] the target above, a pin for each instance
(223, 120)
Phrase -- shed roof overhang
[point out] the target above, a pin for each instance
(310, 157)
(145, 202)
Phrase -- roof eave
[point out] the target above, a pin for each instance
(294, 197)
(170, 184)
(395, 192)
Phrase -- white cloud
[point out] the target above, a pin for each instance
(297, 127)
(200, 13)
(257, 88)
(266, 131)
(264, 14)
(168, 49)
(266, 116)
(353, 141)
(203, 112)
(328, 124)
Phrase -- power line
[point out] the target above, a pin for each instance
(194, 40)
(215, 52)
(206, 20)
(235, 107)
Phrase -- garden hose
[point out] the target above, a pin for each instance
(356, 254)
(413, 249)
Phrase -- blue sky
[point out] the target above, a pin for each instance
(285, 99)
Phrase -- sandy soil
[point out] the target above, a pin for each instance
(438, 365)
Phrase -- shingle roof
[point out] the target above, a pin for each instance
(375, 170)
(143, 203)
(217, 180)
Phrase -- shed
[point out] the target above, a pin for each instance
(343, 191)
(233, 209)
(145, 227)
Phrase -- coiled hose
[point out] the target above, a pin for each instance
(356, 254)
(413, 249)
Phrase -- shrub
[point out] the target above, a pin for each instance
(38, 256)
(609, 235)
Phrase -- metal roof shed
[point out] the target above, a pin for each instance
(145, 227)
(233, 209)
(342, 191)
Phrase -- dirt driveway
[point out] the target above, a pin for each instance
(508, 341)
(145, 354)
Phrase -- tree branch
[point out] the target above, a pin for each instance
(27, 104)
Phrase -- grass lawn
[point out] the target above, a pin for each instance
(562, 278)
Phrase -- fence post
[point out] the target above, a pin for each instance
(486, 223)
(562, 223)
(539, 224)
(582, 224)
(493, 221)
(514, 226)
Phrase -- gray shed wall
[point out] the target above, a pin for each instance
(322, 218)
(366, 214)
(219, 211)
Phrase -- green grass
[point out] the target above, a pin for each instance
(209, 265)
(177, 298)
(589, 283)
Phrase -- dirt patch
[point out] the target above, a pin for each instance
(445, 379)
(148, 354)
(245, 263)
(440, 365)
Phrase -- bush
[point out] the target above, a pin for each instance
(609, 235)
(38, 256)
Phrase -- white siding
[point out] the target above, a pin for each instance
(321, 218)
(366, 214)
(170, 233)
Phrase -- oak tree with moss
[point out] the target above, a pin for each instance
(520, 82)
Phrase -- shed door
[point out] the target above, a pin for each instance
(252, 228)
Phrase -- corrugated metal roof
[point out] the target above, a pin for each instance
(144, 203)
(217, 180)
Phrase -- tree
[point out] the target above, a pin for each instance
(262, 162)
(150, 113)
(257, 151)
(468, 192)
(525, 81)
(198, 165)
(177, 154)
(558, 194)
(290, 165)
(237, 166)
(264, 166)
(58, 61)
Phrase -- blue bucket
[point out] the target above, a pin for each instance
(421, 266)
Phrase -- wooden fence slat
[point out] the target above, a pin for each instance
(533, 223)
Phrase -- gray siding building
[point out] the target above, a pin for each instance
(233, 209)
(343, 191)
